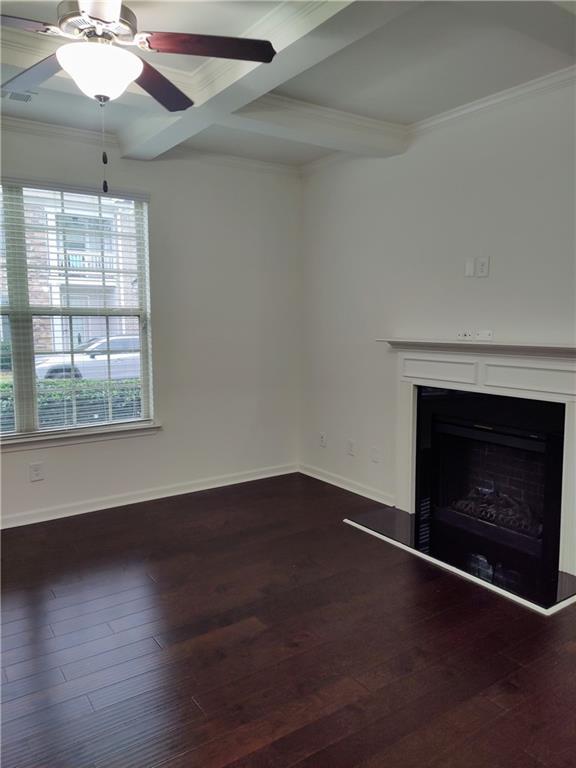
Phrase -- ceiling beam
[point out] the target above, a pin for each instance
(568, 5)
(339, 131)
(304, 34)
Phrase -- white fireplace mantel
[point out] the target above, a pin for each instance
(533, 371)
(565, 351)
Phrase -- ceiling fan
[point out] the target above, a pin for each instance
(99, 60)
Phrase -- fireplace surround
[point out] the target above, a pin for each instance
(489, 487)
(530, 391)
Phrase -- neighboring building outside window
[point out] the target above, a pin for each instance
(74, 338)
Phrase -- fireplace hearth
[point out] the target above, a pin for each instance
(488, 478)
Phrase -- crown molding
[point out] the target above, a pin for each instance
(334, 130)
(280, 26)
(85, 136)
(232, 161)
(274, 101)
(328, 161)
(51, 130)
(568, 5)
(563, 78)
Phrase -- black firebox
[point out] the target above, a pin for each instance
(488, 487)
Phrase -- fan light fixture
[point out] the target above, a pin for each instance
(101, 71)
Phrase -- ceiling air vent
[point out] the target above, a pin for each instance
(26, 97)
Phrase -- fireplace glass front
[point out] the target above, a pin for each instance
(489, 476)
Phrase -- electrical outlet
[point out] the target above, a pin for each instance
(482, 266)
(485, 335)
(351, 447)
(465, 334)
(323, 440)
(35, 472)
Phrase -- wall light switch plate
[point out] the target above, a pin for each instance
(470, 267)
(323, 440)
(485, 335)
(482, 266)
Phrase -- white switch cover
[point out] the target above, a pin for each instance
(470, 267)
(351, 447)
(485, 335)
(482, 266)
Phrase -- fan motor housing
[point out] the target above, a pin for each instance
(73, 23)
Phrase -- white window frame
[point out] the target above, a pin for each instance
(21, 313)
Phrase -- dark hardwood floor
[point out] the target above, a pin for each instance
(247, 627)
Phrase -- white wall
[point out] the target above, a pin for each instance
(224, 285)
(256, 322)
(384, 248)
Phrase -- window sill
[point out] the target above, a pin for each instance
(76, 436)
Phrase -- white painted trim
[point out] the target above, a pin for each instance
(48, 130)
(300, 121)
(85, 136)
(526, 349)
(314, 31)
(211, 76)
(35, 441)
(331, 160)
(279, 26)
(553, 82)
(232, 161)
(57, 186)
(348, 485)
(468, 576)
(159, 492)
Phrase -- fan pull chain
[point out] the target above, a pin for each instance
(102, 103)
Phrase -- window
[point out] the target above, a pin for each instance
(84, 240)
(74, 345)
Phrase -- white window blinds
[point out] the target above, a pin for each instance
(74, 306)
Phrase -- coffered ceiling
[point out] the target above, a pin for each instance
(349, 76)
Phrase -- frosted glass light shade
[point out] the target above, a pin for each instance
(99, 69)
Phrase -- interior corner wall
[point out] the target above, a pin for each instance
(225, 268)
(268, 293)
(385, 244)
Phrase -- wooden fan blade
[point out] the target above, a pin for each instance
(161, 89)
(26, 25)
(212, 46)
(33, 76)
(107, 11)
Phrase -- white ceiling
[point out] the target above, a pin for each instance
(439, 56)
(430, 58)
(220, 139)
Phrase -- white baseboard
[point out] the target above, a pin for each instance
(159, 492)
(348, 485)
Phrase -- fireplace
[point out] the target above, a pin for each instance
(488, 487)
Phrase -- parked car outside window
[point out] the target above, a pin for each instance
(117, 358)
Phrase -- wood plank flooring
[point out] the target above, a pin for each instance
(247, 627)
